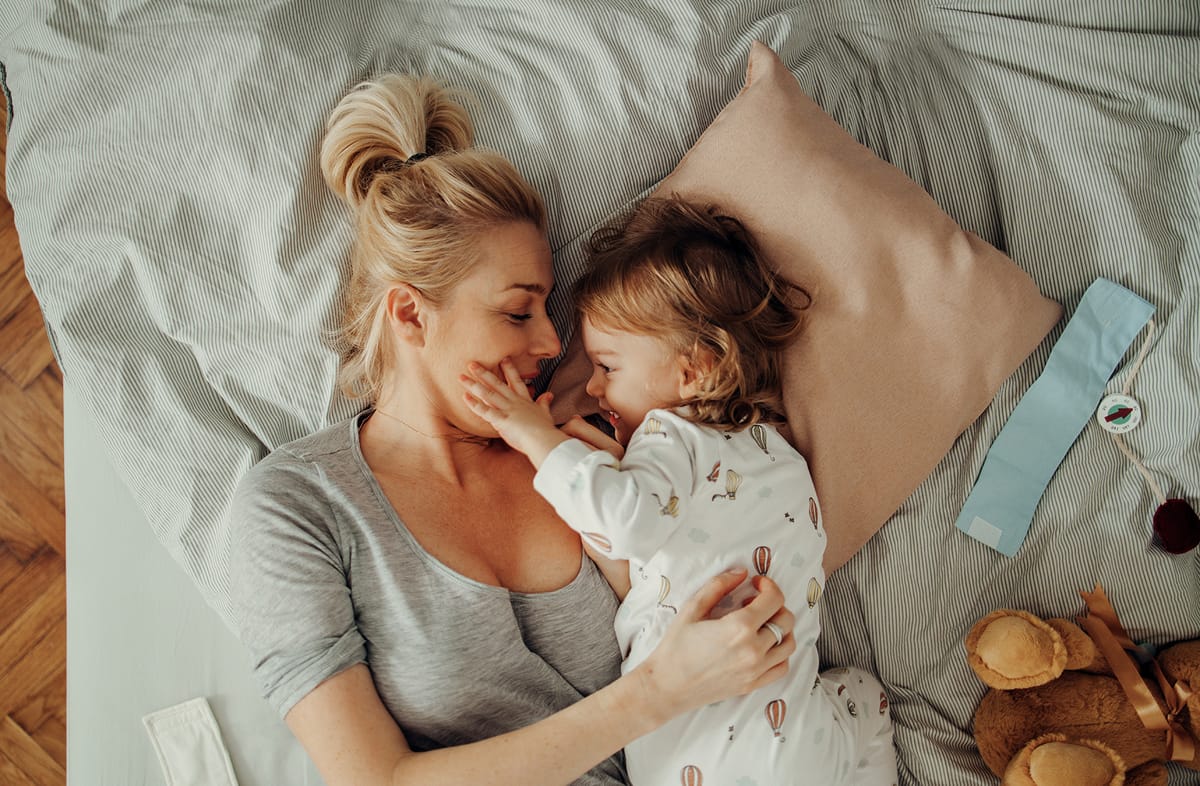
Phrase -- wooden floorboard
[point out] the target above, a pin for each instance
(33, 632)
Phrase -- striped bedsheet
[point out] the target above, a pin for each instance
(161, 163)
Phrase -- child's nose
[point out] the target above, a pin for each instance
(595, 385)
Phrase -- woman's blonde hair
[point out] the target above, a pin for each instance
(400, 152)
(694, 278)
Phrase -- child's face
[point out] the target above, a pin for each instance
(631, 375)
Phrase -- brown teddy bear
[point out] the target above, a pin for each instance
(1057, 715)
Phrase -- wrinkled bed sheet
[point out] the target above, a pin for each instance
(187, 257)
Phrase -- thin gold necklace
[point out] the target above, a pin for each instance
(460, 437)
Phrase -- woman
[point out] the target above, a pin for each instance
(417, 613)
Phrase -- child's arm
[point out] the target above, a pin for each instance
(525, 424)
(624, 508)
(524, 428)
(615, 570)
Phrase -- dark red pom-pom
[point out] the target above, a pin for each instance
(1177, 526)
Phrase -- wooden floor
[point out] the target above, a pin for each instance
(33, 621)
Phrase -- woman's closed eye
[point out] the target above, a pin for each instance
(519, 317)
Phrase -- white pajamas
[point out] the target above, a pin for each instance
(687, 502)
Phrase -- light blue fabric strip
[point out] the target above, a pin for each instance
(1049, 417)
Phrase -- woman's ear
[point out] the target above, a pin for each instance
(405, 308)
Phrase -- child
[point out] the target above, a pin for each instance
(684, 322)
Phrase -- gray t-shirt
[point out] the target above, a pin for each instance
(325, 575)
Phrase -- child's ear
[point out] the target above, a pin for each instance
(693, 368)
(406, 313)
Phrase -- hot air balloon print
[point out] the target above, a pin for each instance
(663, 591)
(671, 508)
(599, 541)
(762, 560)
(759, 435)
(814, 591)
(814, 514)
(691, 776)
(732, 481)
(776, 714)
(712, 476)
(653, 426)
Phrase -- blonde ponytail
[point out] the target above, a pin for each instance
(400, 152)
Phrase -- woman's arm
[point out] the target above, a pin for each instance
(355, 742)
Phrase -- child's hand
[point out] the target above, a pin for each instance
(520, 421)
(583, 431)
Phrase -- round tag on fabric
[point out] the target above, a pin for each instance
(1118, 413)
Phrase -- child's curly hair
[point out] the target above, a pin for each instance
(694, 278)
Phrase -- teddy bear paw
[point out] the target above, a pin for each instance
(1056, 760)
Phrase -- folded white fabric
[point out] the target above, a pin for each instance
(189, 745)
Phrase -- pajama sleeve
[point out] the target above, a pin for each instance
(626, 508)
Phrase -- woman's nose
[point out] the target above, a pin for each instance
(546, 343)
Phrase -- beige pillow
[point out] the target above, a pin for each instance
(914, 325)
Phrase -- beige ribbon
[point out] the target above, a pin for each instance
(1105, 629)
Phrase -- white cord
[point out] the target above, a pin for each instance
(1137, 366)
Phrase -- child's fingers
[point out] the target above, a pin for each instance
(484, 376)
(580, 429)
(486, 395)
(511, 383)
(478, 407)
(513, 378)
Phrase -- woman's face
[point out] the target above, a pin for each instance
(497, 311)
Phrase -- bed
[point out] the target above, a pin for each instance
(187, 259)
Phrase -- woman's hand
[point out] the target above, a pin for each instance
(702, 660)
(522, 422)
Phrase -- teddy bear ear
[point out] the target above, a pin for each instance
(1011, 649)
(1177, 526)
(1082, 653)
